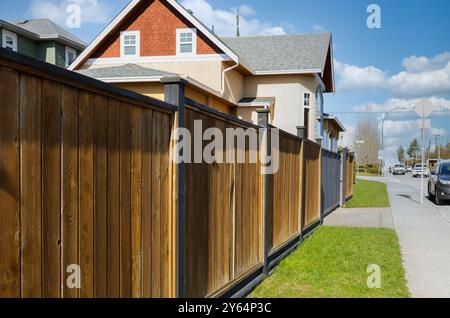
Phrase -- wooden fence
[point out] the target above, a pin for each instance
(350, 175)
(224, 227)
(285, 206)
(312, 182)
(87, 178)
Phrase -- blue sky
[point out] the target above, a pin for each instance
(407, 59)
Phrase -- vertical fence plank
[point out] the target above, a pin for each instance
(86, 194)
(113, 230)
(101, 196)
(30, 149)
(70, 183)
(165, 206)
(9, 184)
(125, 202)
(51, 188)
(147, 239)
(136, 202)
(156, 206)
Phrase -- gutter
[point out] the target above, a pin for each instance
(222, 91)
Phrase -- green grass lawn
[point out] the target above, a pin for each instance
(333, 262)
(369, 194)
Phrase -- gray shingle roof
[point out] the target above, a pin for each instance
(44, 28)
(124, 71)
(282, 52)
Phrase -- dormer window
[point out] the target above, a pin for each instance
(130, 44)
(186, 42)
(9, 40)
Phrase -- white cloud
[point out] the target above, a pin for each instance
(414, 64)
(439, 104)
(318, 28)
(224, 21)
(421, 84)
(246, 10)
(351, 77)
(92, 11)
(422, 77)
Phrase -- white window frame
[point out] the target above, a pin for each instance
(10, 34)
(194, 42)
(307, 99)
(137, 34)
(67, 51)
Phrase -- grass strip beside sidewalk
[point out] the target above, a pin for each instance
(333, 263)
(369, 194)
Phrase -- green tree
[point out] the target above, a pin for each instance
(413, 149)
(401, 154)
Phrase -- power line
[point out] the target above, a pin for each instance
(380, 112)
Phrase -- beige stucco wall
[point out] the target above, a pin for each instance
(288, 91)
(208, 73)
(156, 90)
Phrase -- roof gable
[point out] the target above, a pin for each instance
(109, 34)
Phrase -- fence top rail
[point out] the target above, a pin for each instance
(222, 116)
(287, 134)
(330, 152)
(32, 66)
(312, 143)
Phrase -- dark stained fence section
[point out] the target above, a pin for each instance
(331, 181)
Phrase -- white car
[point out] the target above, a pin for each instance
(420, 170)
(399, 170)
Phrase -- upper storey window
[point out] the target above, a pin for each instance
(130, 44)
(9, 40)
(186, 42)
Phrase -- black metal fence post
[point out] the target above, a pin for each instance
(263, 121)
(343, 175)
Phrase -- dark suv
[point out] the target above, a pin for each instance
(439, 183)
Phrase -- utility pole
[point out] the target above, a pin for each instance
(238, 31)
(437, 146)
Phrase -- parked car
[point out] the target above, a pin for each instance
(420, 170)
(399, 170)
(409, 169)
(439, 182)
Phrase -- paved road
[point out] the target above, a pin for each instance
(424, 233)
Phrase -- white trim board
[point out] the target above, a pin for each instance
(289, 72)
(157, 59)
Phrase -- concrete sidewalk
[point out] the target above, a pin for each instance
(371, 218)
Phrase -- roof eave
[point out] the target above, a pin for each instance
(37, 37)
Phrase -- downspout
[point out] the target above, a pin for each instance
(222, 91)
